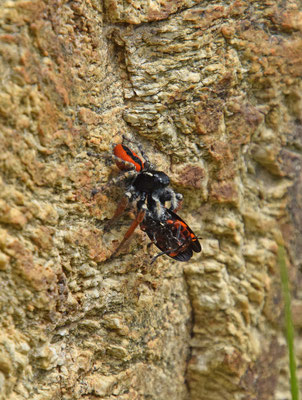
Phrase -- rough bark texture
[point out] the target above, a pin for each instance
(213, 92)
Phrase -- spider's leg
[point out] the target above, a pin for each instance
(139, 218)
(121, 207)
(129, 197)
(178, 202)
(96, 155)
(157, 205)
(141, 201)
(167, 194)
(107, 157)
(146, 158)
(125, 175)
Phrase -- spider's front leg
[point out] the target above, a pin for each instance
(139, 219)
(175, 199)
(124, 176)
(141, 207)
(161, 196)
(121, 207)
(128, 198)
(176, 204)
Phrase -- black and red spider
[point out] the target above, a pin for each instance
(148, 187)
(144, 183)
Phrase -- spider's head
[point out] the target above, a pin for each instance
(160, 179)
(149, 181)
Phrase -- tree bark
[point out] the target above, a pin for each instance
(212, 90)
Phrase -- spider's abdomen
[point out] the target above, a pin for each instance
(151, 180)
(126, 158)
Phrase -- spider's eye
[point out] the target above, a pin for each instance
(163, 179)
